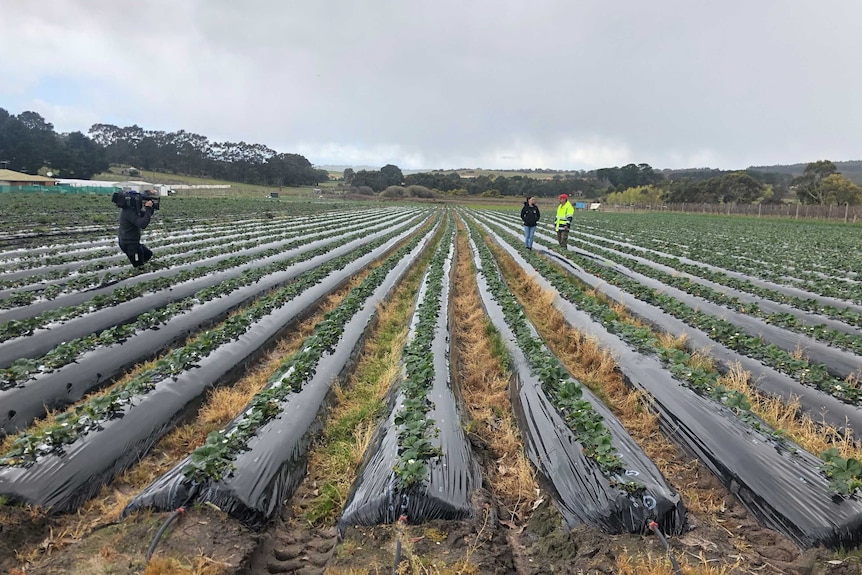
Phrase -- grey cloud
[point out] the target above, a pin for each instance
(451, 83)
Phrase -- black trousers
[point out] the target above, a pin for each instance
(138, 253)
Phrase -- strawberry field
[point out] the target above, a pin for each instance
(292, 387)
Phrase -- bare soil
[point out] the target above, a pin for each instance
(204, 540)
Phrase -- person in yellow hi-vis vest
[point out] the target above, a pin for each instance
(563, 223)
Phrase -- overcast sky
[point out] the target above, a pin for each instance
(560, 84)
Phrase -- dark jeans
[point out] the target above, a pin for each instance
(563, 237)
(138, 253)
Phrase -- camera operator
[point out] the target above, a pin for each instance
(135, 216)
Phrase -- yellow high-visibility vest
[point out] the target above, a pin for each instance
(565, 212)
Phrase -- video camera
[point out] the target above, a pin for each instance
(133, 199)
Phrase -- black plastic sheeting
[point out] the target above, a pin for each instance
(778, 482)
(115, 260)
(840, 363)
(583, 494)
(60, 482)
(446, 492)
(20, 405)
(43, 340)
(190, 238)
(272, 467)
(821, 406)
(785, 289)
(764, 304)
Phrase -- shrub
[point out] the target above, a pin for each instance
(419, 192)
(393, 192)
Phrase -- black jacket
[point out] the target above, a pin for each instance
(530, 214)
(131, 224)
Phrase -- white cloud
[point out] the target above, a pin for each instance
(503, 83)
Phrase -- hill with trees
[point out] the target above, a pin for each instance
(28, 143)
(851, 170)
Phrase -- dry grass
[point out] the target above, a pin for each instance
(333, 461)
(221, 405)
(811, 435)
(356, 408)
(168, 566)
(224, 403)
(596, 369)
(484, 388)
(649, 564)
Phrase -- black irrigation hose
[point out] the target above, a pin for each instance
(179, 511)
(176, 514)
(399, 528)
(655, 529)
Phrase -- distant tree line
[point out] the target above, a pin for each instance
(452, 183)
(820, 183)
(630, 184)
(28, 143)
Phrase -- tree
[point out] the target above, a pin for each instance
(372, 179)
(348, 175)
(837, 189)
(739, 187)
(79, 156)
(636, 195)
(391, 175)
(808, 185)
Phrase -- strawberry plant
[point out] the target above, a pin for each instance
(414, 427)
(90, 415)
(215, 458)
(564, 393)
(845, 475)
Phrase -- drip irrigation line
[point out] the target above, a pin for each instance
(399, 529)
(399, 525)
(178, 512)
(655, 529)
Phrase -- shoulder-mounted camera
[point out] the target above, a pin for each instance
(134, 200)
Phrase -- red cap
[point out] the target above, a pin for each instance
(564, 197)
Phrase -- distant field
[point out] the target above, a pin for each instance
(535, 174)
(235, 190)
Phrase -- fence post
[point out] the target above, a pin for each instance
(846, 211)
(797, 211)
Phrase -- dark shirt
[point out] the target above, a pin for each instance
(131, 224)
(530, 214)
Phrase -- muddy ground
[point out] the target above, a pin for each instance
(204, 540)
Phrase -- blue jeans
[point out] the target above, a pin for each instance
(529, 232)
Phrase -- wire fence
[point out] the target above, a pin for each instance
(844, 213)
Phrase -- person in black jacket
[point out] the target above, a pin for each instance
(530, 216)
(132, 222)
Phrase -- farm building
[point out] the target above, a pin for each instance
(17, 179)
